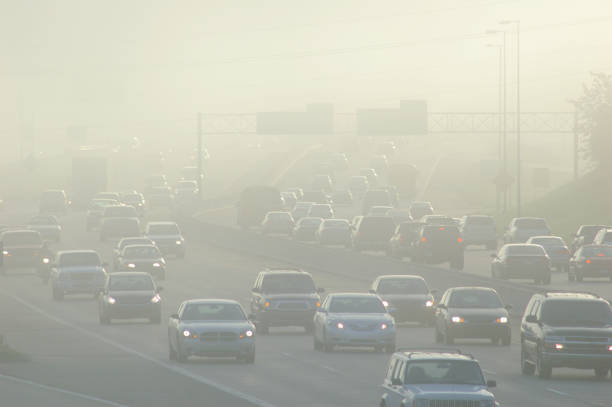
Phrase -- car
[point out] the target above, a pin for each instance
(591, 260)
(375, 197)
(278, 222)
(47, 225)
(373, 233)
(305, 229)
(380, 163)
(284, 297)
(95, 210)
(334, 232)
(300, 210)
(379, 211)
(167, 237)
(322, 182)
(211, 327)
(438, 244)
(54, 201)
(442, 220)
(143, 257)
(299, 192)
(114, 196)
(192, 174)
(136, 200)
(342, 198)
(420, 209)
(324, 211)
(400, 215)
(585, 235)
(371, 175)
(128, 295)
(255, 202)
(119, 211)
(472, 312)
(77, 272)
(603, 237)
(289, 199)
(23, 248)
(407, 295)
(126, 241)
(435, 378)
(186, 188)
(478, 230)
(566, 329)
(354, 319)
(521, 229)
(116, 228)
(400, 243)
(358, 185)
(318, 197)
(556, 249)
(520, 260)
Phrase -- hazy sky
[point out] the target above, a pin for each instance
(69, 62)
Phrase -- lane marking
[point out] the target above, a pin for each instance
(62, 391)
(176, 369)
(560, 393)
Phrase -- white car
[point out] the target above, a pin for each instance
(167, 237)
(353, 319)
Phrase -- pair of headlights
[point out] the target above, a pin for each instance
(133, 266)
(460, 320)
(155, 300)
(194, 335)
(383, 326)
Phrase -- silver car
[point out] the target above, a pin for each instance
(167, 237)
(353, 319)
(521, 229)
(556, 249)
(217, 328)
(48, 227)
(77, 272)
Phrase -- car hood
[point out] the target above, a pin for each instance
(451, 391)
(203, 326)
(480, 312)
(143, 261)
(292, 296)
(176, 237)
(353, 317)
(600, 331)
(118, 294)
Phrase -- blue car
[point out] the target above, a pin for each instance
(77, 272)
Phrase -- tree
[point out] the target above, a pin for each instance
(594, 121)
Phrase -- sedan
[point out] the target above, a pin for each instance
(278, 222)
(335, 232)
(167, 237)
(528, 261)
(472, 312)
(306, 228)
(556, 249)
(145, 258)
(77, 272)
(591, 261)
(48, 227)
(217, 328)
(127, 241)
(129, 295)
(353, 319)
(408, 295)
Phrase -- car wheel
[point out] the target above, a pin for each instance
(171, 352)
(58, 295)
(544, 369)
(438, 335)
(527, 368)
(601, 372)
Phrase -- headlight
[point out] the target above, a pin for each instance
(487, 403)
(559, 346)
(340, 325)
(131, 265)
(610, 348)
(386, 303)
(156, 299)
(111, 300)
(46, 260)
(186, 333)
(457, 320)
(247, 334)
(267, 304)
(429, 303)
(179, 242)
(317, 304)
(383, 326)
(502, 320)
(156, 265)
(5, 252)
(420, 403)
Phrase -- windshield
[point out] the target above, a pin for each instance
(141, 252)
(289, 283)
(163, 230)
(402, 286)
(213, 312)
(444, 372)
(474, 299)
(576, 313)
(87, 259)
(131, 283)
(531, 223)
(337, 224)
(525, 250)
(357, 305)
(597, 251)
(310, 221)
(21, 238)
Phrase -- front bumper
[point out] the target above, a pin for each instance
(577, 360)
(119, 311)
(238, 347)
(473, 330)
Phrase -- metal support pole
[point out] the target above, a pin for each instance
(199, 133)
(504, 136)
(518, 119)
(576, 145)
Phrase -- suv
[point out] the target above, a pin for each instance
(521, 229)
(167, 237)
(566, 329)
(376, 197)
(439, 244)
(373, 233)
(284, 298)
(54, 201)
(435, 378)
(23, 248)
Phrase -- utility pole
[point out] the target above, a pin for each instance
(199, 132)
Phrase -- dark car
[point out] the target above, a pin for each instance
(438, 244)
(306, 228)
(420, 209)
(565, 329)
(127, 241)
(48, 227)
(375, 197)
(407, 297)
(254, 203)
(519, 260)
(128, 295)
(135, 199)
(167, 237)
(23, 249)
(591, 260)
(54, 201)
(472, 312)
(335, 232)
(143, 257)
(556, 249)
(585, 235)
(284, 298)
(401, 242)
(373, 233)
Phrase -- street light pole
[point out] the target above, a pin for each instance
(199, 132)
(499, 116)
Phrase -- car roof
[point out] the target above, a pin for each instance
(272, 271)
(433, 355)
(352, 295)
(401, 276)
(568, 295)
(62, 252)
(129, 273)
(475, 288)
(210, 301)
(520, 244)
(165, 222)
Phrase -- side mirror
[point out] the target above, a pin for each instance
(372, 291)
(491, 383)
(320, 290)
(531, 319)
(174, 316)
(508, 307)
(396, 382)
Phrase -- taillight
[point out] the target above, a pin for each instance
(460, 240)
(587, 261)
(423, 239)
(600, 255)
(441, 228)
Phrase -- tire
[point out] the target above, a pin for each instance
(526, 367)
(171, 352)
(544, 369)
(601, 372)
(58, 295)
(327, 347)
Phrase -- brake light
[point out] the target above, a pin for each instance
(441, 228)
(459, 239)
(600, 255)
(588, 261)
(423, 239)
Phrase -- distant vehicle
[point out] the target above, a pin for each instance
(127, 241)
(478, 230)
(393, 194)
(371, 175)
(77, 272)
(161, 201)
(379, 210)
(335, 232)
(472, 312)
(95, 210)
(289, 199)
(339, 161)
(119, 211)
(154, 181)
(278, 222)
(591, 260)
(146, 258)
(299, 193)
(388, 148)
(438, 220)
(284, 298)
(305, 229)
(585, 235)
(255, 203)
(167, 237)
(438, 244)
(322, 182)
(400, 215)
(353, 319)
(432, 378)
(518, 260)
(603, 237)
(192, 174)
(135, 199)
(342, 198)
(375, 197)
(521, 229)
(218, 328)
(373, 233)
(115, 196)
(116, 228)
(565, 329)
(22, 249)
(89, 176)
(186, 187)
(54, 201)
(324, 211)
(408, 295)
(319, 197)
(48, 227)
(420, 209)
(556, 249)
(300, 210)
(404, 177)
(358, 185)
(380, 163)
(129, 295)
(401, 242)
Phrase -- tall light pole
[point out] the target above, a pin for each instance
(503, 115)
(517, 24)
(499, 113)
(199, 161)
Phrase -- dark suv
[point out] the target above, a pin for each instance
(565, 329)
(284, 298)
(23, 249)
(439, 244)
